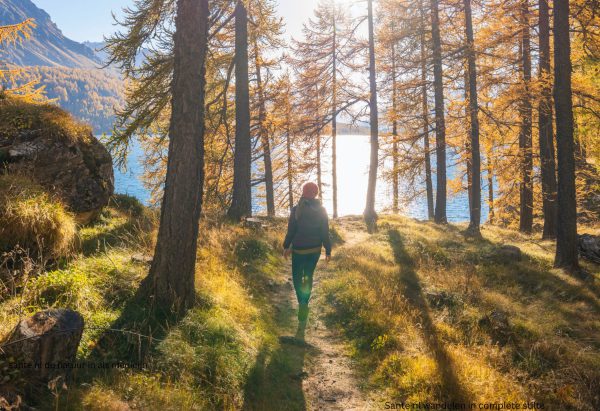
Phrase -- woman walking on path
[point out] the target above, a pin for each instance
(307, 233)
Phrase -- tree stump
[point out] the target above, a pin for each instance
(44, 346)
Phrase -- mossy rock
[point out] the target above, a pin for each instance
(47, 144)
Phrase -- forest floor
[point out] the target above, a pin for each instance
(416, 313)
(327, 378)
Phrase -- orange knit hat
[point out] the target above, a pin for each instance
(310, 191)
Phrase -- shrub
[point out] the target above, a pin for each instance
(32, 219)
(251, 249)
(128, 204)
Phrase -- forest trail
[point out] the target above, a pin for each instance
(327, 379)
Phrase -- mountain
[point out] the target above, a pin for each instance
(47, 46)
(71, 72)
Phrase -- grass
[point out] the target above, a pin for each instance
(33, 220)
(206, 360)
(17, 115)
(418, 304)
(415, 301)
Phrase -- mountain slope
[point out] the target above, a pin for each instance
(47, 46)
(70, 71)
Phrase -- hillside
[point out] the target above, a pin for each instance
(89, 94)
(412, 314)
(71, 72)
(48, 46)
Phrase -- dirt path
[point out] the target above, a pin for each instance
(328, 379)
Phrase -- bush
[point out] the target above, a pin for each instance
(128, 204)
(33, 220)
(251, 249)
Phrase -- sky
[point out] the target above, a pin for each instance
(91, 20)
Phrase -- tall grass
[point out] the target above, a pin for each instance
(416, 300)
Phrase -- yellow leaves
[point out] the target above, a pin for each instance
(15, 33)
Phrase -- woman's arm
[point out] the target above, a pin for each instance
(325, 237)
(291, 230)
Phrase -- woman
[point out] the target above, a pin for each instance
(308, 231)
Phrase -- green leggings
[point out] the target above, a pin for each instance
(303, 268)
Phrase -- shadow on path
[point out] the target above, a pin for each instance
(275, 381)
(451, 389)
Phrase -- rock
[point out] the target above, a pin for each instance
(509, 253)
(44, 346)
(589, 247)
(254, 223)
(59, 154)
(141, 259)
(496, 323)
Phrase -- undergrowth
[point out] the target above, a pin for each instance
(199, 362)
(434, 316)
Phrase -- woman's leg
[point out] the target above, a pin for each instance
(298, 274)
(310, 264)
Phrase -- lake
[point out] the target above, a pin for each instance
(353, 166)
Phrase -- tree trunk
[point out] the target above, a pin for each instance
(319, 168)
(473, 109)
(490, 178)
(170, 282)
(264, 136)
(526, 186)
(43, 342)
(241, 202)
(334, 121)
(566, 227)
(395, 162)
(546, 134)
(370, 215)
(440, 123)
(288, 149)
(425, 110)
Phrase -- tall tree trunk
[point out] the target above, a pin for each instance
(473, 109)
(369, 214)
(289, 169)
(264, 136)
(526, 187)
(334, 121)
(319, 167)
(566, 227)
(425, 111)
(395, 160)
(440, 123)
(490, 178)
(170, 283)
(546, 134)
(468, 141)
(241, 202)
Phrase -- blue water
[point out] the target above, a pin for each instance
(353, 163)
(128, 181)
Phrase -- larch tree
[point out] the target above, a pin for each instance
(370, 214)
(440, 124)
(525, 128)
(322, 59)
(425, 114)
(473, 110)
(170, 283)
(241, 201)
(545, 126)
(265, 36)
(566, 227)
